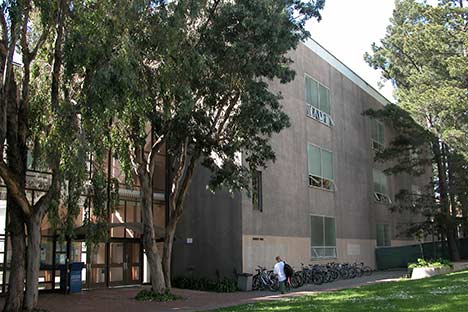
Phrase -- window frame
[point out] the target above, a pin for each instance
(380, 196)
(375, 144)
(320, 179)
(315, 256)
(387, 241)
(257, 179)
(317, 113)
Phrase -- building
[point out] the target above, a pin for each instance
(324, 199)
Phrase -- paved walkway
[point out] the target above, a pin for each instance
(121, 299)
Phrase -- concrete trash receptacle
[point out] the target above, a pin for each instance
(244, 281)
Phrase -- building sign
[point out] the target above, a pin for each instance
(318, 115)
(38, 180)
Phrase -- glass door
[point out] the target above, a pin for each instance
(132, 263)
(124, 265)
(97, 266)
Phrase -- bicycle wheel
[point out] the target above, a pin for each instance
(344, 273)
(317, 279)
(274, 285)
(367, 270)
(359, 272)
(296, 281)
(255, 282)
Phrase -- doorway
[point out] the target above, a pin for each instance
(124, 263)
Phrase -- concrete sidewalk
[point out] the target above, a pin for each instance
(121, 299)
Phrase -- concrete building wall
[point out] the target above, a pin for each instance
(283, 228)
(227, 232)
(208, 237)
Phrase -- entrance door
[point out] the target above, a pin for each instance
(97, 266)
(124, 264)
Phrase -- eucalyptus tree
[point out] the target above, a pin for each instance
(424, 54)
(190, 77)
(38, 116)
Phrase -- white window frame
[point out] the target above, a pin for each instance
(376, 145)
(380, 197)
(320, 178)
(384, 238)
(313, 249)
(314, 112)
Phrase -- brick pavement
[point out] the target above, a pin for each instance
(121, 299)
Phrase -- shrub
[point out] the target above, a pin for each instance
(205, 284)
(437, 264)
(149, 295)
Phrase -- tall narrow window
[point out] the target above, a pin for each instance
(320, 164)
(322, 237)
(257, 198)
(317, 99)
(377, 134)
(384, 235)
(381, 193)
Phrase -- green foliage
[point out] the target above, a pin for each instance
(424, 54)
(205, 284)
(148, 295)
(436, 264)
(196, 71)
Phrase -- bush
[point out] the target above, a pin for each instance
(149, 295)
(437, 264)
(205, 284)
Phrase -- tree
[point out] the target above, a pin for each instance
(424, 54)
(190, 77)
(38, 117)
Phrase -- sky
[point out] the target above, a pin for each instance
(347, 30)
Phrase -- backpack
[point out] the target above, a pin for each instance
(288, 270)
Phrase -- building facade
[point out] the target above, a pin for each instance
(323, 199)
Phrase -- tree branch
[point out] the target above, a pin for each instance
(40, 207)
(14, 188)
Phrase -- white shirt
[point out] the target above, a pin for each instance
(279, 270)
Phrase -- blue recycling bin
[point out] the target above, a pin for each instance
(75, 282)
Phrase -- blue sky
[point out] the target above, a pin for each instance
(347, 30)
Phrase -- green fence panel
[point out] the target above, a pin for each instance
(399, 257)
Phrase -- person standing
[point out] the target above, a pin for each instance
(279, 271)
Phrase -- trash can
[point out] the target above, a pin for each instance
(75, 276)
(244, 281)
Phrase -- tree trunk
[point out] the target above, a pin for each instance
(444, 201)
(167, 252)
(149, 235)
(32, 263)
(14, 297)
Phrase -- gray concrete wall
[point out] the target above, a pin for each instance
(213, 222)
(288, 199)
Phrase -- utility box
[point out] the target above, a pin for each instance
(244, 281)
(75, 282)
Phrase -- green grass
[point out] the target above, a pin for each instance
(441, 293)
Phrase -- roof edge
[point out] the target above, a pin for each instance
(318, 49)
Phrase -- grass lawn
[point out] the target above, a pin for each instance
(441, 293)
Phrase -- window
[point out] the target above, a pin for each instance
(317, 101)
(320, 163)
(377, 134)
(257, 198)
(383, 235)
(380, 187)
(322, 237)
